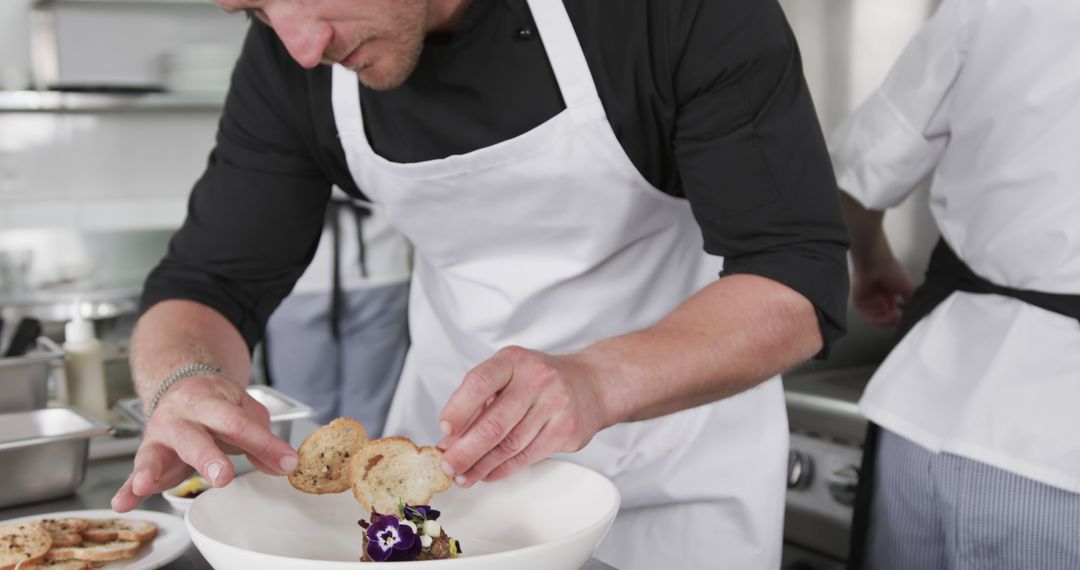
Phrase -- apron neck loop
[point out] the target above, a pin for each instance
(564, 52)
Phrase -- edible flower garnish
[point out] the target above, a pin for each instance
(418, 514)
(389, 540)
(411, 534)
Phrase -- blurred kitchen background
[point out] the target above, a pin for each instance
(108, 109)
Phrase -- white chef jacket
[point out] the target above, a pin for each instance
(986, 99)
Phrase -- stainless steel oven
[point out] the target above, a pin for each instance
(827, 433)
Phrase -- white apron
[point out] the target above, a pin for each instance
(553, 240)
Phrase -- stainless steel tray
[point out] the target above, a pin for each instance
(284, 410)
(24, 380)
(43, 453)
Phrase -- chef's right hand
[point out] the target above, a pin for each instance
(878, 292)
(198, 421)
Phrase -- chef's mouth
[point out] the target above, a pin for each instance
(352, 60)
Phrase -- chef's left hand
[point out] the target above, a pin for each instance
(515, 409)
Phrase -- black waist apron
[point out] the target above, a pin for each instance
(946, 274)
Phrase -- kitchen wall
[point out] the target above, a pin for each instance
(81, 175)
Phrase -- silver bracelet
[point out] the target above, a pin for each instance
(193, 369)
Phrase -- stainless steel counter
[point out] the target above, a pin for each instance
(104, 477)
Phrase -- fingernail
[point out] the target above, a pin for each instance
(442, 445)
(447, 469)
(289, 463)
(460, 480)
(212, 472)
(445, 428)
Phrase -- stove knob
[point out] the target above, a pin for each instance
(800, 469)
(843, 483)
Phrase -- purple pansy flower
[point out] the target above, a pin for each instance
(420, 513)
(389, 540)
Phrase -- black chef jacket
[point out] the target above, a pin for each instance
(707, 98)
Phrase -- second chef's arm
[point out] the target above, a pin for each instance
(879, 283)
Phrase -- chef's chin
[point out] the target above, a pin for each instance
(387, 70)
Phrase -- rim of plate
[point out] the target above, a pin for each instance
(610, 514)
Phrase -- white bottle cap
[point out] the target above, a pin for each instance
(78, 329)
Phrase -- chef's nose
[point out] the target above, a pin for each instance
(304, 36)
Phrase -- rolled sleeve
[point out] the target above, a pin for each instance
(753, 161)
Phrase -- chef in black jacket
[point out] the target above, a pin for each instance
(570, 174)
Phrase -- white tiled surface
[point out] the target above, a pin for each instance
(101, 170)
(106, 170)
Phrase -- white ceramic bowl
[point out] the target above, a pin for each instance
(181, 504)
(550, 516)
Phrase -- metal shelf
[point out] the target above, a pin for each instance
(95, 102)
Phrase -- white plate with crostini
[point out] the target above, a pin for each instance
(550, 516)
(169, 544)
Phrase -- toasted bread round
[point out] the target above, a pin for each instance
(96, 551)
(106, 530)
(325, 457)
(65, 532)
(57, 565)
(22, 543)
(393, 470)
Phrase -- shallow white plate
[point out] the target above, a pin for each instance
(550, 516)
(170, 543)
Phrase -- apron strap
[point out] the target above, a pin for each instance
(335, 288)
(946, 274)
(359, 212)
(860, 519)
(564, 52)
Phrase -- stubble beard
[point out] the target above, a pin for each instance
(393, 67)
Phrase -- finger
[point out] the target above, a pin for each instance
(261, 466)
(263, 416)
(254, 407)
(490, 429)
(175, 475)
(196, 447)
(156, 469)
(234, 425)
(479, 384)
(547, 442)
(449, 440)
(228, 448)
(124, 500)
(513, 444)
(151, 461)
(907, 290)
(889, 314)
